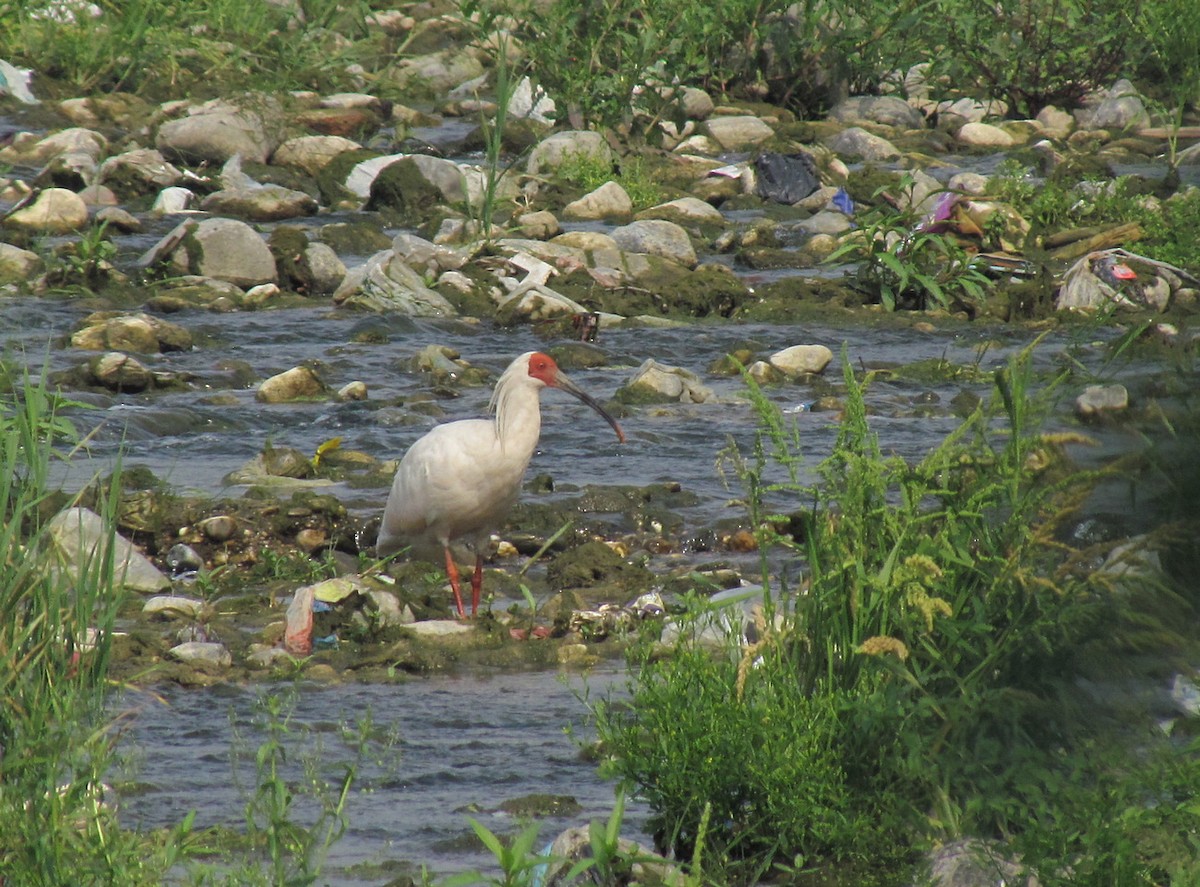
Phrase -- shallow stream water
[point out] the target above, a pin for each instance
(469, 742)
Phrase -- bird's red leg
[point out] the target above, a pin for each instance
(476, 583)
(452, 575)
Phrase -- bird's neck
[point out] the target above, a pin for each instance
(518, 420)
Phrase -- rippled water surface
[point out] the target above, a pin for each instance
(469, 739)
(465, 746)
(467, 742)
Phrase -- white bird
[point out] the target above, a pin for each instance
(458, 481)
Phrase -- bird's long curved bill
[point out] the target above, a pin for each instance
(563, 383)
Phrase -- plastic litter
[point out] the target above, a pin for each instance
(14, 81)
(842, 202)
(786, 178)
(297, 640)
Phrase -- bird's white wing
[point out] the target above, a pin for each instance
(452, 483)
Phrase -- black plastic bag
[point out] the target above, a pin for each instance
(786, 178)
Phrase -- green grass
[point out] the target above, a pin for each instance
(56, 628)
(920, 685)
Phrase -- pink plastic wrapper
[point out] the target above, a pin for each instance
(298, 638)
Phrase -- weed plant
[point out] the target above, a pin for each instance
(156, 48)
(589, 172)
(902, 266)
(57, 741)
(1050, 205)
(298, 799)
(919, 686)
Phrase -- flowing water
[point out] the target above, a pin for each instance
(464, 745)
(466, 742)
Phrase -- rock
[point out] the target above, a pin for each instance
(138, 171)
(127, 333)
(268, 657)
(388, 610)
(120, 372)
(656, 237)
(786, 178)
(438, 628)
(575, 844)
(971, 862)
(140, 333)
(984, 135)
(343, 123)
(434, 258)
(298, 383)
(857, 142)
(77, 535)
(214, 132)
(533, 302)
(888, 110)
(683, 211)
(386, 283)
(218, 528)
(17, 265)
(224, 249)
(1055, 123)
(53, 211)
(311, 539)
(541, 225)
(173, 200)
(549, 154)
(971, 183)
(801, 359)
(202, 653)
(410, 184)
(262, 203)
(695, 103)
(763, 373)
(526, 103)
(311, 154)
(325, 270)
(352, 391)
(657, 383)
(576, 654)
(73, 170)
(971, 110)
(737, 133)
(170, 606)
(258, 296)
(34, 151)
(1101, 399)
(609, 201)
(829, 222)
(1136, 559)
(436, 73)
(183, 561)
(1119, 109)
(117, 219)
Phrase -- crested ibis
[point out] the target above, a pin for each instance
(457, 482)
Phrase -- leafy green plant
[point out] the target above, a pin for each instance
(144, 45)
(905, 265)
(56, 636)
(1169, 31)
(609, 63)
(918, 686)
(295, 812)
(1028, 52)
(519, 865)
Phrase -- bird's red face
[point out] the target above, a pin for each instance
(543, 368)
